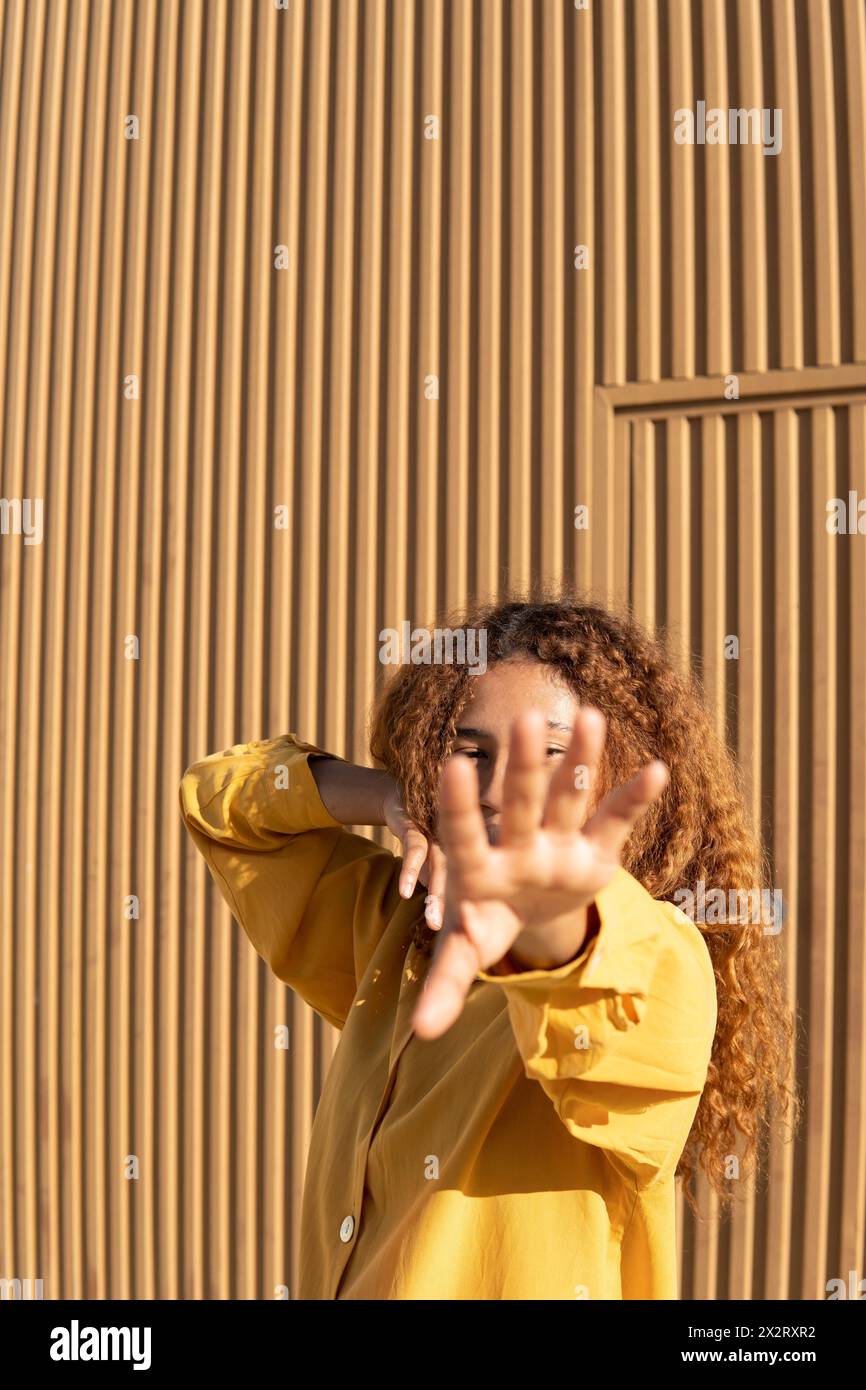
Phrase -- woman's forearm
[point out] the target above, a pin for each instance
(352, 795)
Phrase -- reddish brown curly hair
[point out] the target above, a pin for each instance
(699, 829)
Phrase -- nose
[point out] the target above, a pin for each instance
(490, 787)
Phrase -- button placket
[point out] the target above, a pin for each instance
(349, 1224)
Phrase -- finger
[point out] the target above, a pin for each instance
(452, 971)
(525, 783)
(424, 871)
(569, 786)
(461, 824)
(414, 853)
(615, 818)
(435, 900)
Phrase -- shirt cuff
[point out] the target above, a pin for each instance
(621, 956)
(253, 791)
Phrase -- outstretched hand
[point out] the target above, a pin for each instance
(528, 892)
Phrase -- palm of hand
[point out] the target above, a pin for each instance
(535, 884)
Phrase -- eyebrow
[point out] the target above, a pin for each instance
(465, 731)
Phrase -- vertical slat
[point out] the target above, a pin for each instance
(245, 487)
(717, 210)
(282, 228)
(491, 443)
(682, 213)
(822, 817)
(713, 529)
(786, 336)
(207, 919)
(611, 112)
(825, 191)
(307, 597)
(644, 531)
(588, 282)
(458, 134)
(618, 515)
(784, 695)
(648, 193)
(369, 559)
(678, 618)
(401, 146)
(178, 1112)
(519, 215)
(713, 526)
(28, 1014)
(750, 669)
(747, 92)
(853, 894)
(432, 360)
(21, 700)
(336, 733)
(855, 69)
(554, 259)
(609, 502)
(168, 659)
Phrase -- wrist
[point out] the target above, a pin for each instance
(351, 794)
(556, 943)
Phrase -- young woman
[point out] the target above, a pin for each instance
(534, 1047)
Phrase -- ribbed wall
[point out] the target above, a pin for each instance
(426, 383)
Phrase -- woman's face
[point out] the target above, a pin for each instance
(509, 688)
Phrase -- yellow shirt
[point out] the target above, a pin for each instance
(529, 1152)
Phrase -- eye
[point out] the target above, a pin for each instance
(555, 750)
(473, 753)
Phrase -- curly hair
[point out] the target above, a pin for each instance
(697, 830)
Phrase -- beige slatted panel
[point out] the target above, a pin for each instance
(14, 1249)
(304, 387)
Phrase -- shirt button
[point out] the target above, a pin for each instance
(347, 1228)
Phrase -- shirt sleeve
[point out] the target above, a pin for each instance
(620, 1038)
(313, 898)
